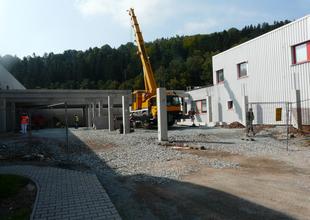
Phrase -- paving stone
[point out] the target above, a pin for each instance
(66, 194)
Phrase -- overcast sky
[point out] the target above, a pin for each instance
(38, 26)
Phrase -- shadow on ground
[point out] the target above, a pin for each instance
(150, 197)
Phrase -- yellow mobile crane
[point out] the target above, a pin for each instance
(143, 106)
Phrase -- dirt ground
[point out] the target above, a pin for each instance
(263, 187)
(267, 182)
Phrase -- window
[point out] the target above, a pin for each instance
(204, 106)
(230, 104)
(198, 106)
(173, 100)
(301, 53)
(201, 106)
(220, 75)
(242, 69)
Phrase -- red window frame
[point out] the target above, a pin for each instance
(230, 104)
(217, 76)
(199, 102)
(294, 52)
(239, 70)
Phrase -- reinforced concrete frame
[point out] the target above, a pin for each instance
(94, 105)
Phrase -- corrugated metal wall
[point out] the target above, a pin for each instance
(271, 75)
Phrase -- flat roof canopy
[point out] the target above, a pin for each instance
(74, 98)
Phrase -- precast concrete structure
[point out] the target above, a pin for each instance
(265, 73)
(90, 105)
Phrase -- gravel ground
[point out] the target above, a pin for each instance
(139, 154)
(124, 162)
(230, 140)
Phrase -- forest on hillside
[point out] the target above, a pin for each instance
(177, 62)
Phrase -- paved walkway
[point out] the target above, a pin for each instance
(66, 194)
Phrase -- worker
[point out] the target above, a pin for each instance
(191, 114)
(24, 122)
(76, 121)
(249, 122)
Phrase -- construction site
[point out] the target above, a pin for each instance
(171, 154)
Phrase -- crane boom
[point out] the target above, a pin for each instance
(149, 81)
(143, 107)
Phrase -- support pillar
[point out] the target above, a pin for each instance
(110, 114)
(298, 109)
(245, 108)
(3, 115)
(93, 106)
(13, 116)
(126, 123)
(209, 110)
(162, 123)
(99, 108)
(85, 121)
(89, 118)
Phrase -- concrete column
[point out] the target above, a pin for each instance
(110, 114)
(89, 116)
(93, 106)
(184, 106)
(3, 115)
(126, 123)
(85, 121)
(209, 105)
(298, 109)
(99, 109)
(162, 123)
(13, 115)
(245, 107)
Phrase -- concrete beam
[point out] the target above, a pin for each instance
(110, 114)
(162, 123)
(126, 123)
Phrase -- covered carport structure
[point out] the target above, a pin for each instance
(90, 105)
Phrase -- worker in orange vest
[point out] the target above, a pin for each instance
(24, 122)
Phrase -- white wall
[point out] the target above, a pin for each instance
(271, 75)
(8, 81)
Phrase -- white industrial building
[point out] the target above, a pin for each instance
(8, 81)
(268, 73)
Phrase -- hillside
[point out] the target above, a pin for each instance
(177, 62)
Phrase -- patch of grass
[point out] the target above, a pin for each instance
(13, 205)
(20, 214)
(10, 185)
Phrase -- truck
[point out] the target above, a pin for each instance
(144, 108)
